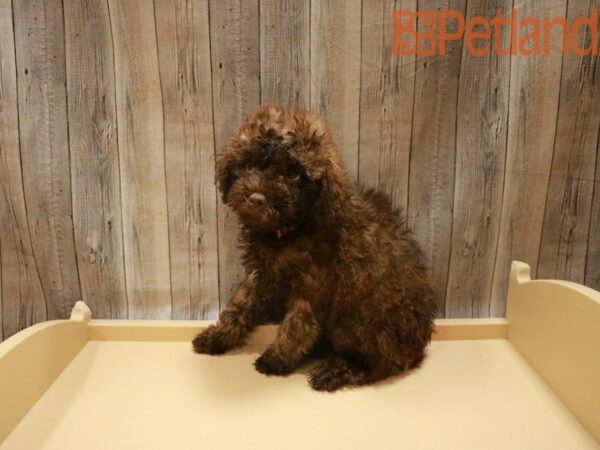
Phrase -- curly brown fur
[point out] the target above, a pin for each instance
(334, 263)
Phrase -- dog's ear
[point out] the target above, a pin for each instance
(224, 175)
(334, 189)
(319, 154)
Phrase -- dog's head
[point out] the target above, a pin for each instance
(280, 169)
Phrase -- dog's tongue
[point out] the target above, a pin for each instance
(282, 232)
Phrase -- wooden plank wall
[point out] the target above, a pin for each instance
(111, 112)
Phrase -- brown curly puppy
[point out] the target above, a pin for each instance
(335, 264)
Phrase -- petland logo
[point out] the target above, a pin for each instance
(529, 35)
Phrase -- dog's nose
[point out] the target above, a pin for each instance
(257, 199)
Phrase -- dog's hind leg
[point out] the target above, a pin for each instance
(336, 372)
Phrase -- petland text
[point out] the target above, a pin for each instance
(529, 35)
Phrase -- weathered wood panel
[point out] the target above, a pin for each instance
(494, 158)
(184, 57)
(564, 243)
(534, 88)
(431, 190)
(386, 103)
(335, 48)
(94, 157)
(235, 56)
(22, 301)
(40, 54)
(479, 174)
(285, 52)
(1, 312)
(592, 266)
(142, 159)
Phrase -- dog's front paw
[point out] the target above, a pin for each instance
(330, 375)
(272, 363)
(212, 341)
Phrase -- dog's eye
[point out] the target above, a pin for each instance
(293, 173)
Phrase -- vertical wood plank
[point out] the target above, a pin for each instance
(565, 230)
(534, 88)
(95, 157)
(142, 159)
(285, 52)
(335, 62)
(1, 313)
(387, 89)
(22, 301)
(431, 190)
(480, 158)
(235, 54)
(40, 54)
(592, 266)
(185, 69)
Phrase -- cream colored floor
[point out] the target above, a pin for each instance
(160, 395)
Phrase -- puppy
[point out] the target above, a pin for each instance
(333, 263)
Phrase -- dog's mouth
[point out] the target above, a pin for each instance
(265, 216)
